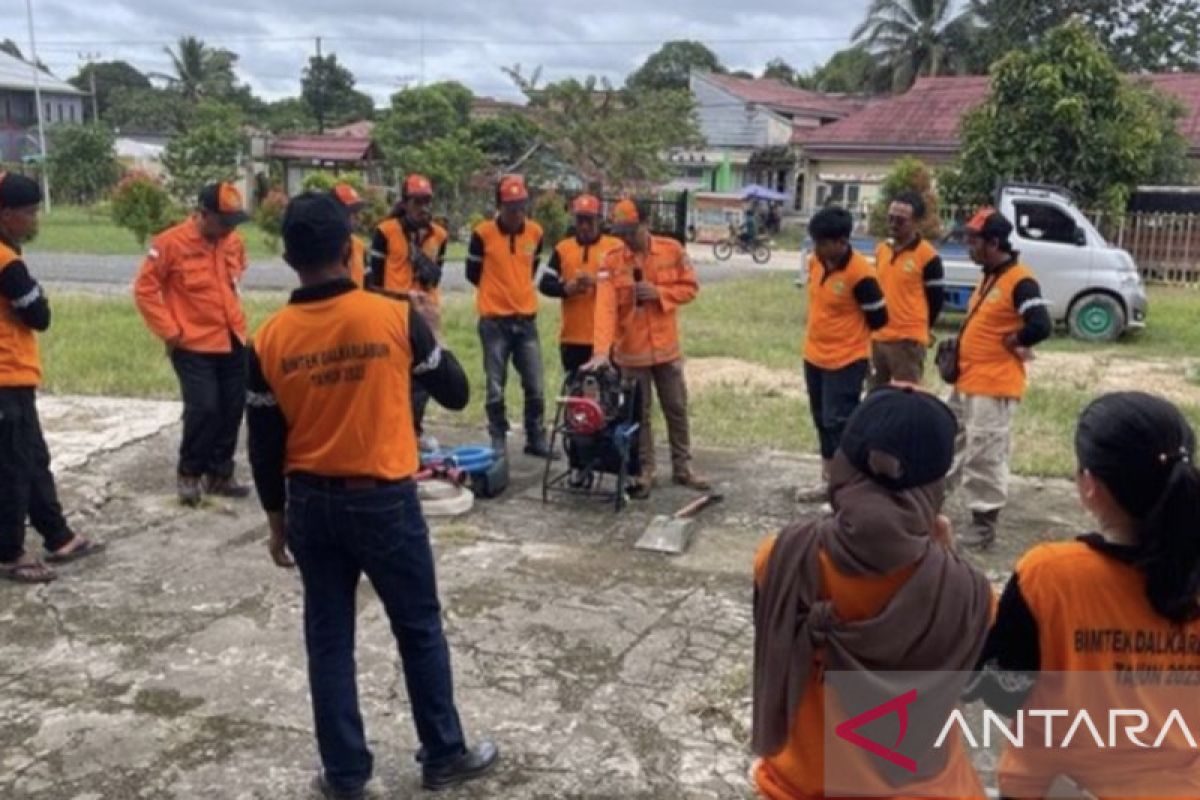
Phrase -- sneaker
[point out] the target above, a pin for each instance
(475, 763)
(692, 481)
(188, 487)
(225, 487)
(982, 532)
(428, 443)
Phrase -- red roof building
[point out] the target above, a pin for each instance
(336, 152)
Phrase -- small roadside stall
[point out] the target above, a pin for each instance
(713, 213)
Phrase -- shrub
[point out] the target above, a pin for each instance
(82, 162)
(142, 205)
(322, 181)
(269, 218)
(550, 211)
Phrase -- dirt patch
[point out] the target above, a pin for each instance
(734, 373)
(1106, 371)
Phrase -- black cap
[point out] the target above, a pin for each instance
(316, 227)
(224, 200)
(17, 191)
(990, 224)
(901, 437)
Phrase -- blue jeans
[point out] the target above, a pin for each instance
(336, 535)
(514, 338)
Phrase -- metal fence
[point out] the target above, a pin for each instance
(1165, 246)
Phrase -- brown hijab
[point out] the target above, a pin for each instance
(937, 621)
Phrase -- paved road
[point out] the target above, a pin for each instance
(106, 272)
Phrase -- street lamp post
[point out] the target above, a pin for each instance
(37, 95)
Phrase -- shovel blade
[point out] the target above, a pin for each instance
(666, 535)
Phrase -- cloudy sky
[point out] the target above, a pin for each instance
(465, 40)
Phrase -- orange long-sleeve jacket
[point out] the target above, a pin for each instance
(187, 289)
(647, 333)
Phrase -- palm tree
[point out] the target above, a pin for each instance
(912, 38)
(192, 62)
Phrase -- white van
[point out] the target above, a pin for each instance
(1093, 287)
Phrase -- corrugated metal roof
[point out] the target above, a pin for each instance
(778, 95)
(16, 74)
(322, 148)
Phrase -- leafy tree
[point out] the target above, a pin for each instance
(912, 38)
(82, 162)
(327, 89)
(780, 70)
(610, 136)
(1149, 35)
(850, 71)
(550, 210)
(201, 71)
(448, 161)
(670, 67)
(141, 205)
(11, 47)
(1062, 113)
(109, 75)
(289, 115)
(208, 151)
(508, 140)
(152, 110)
(907, 174)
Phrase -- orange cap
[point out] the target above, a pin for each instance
(512, 189)
(349, 198)
(224, 200)
(990, 223)
(625, 214)
(417, 186)
(586, 205)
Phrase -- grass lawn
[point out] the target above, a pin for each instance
(98, 345)
(75, 229)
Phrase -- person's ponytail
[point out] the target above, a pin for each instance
(1169, 545)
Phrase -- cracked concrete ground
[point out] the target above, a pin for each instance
(172, 666)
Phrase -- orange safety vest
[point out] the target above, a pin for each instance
(397, 269)
(797, 772)
(986, 366)
(579, 311)
(901, 276)
(20, 364)
(340, 370)
(506, 283)
(645, 334)
(837, 333)
(1093, 616)
(188, 288)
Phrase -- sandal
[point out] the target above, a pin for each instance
(85, 548)
(27, 572)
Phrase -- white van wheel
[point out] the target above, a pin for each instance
(1096, 317)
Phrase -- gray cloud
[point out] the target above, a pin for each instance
(465, 40)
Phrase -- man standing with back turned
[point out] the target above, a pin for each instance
(329, 408)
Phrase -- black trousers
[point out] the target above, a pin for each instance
(27, 488)
(574, 356)
(833, 394)
(213, 386)
(420, 401)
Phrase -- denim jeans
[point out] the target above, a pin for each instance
(514, 338)
(213, 386)
(833, 394)
(335, 536)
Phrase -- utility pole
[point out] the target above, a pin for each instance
(319, 94)
(90, 60)
(37, 98)
(422, 51)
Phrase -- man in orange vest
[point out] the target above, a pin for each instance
(571, 276)
(845, 304)
(334, 454)
(27, 488)
(187, 292)
(408, 252)
(1006, 318)
(502, 260)
(352, 200)
(638, 290)
(910, 273)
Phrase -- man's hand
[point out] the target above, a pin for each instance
(645, 292)
(427, 309)
(596, 363)
(943, 532)
(277, 544)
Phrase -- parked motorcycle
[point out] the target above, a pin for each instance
(759, 249)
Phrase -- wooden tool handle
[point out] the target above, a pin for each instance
(696, 505)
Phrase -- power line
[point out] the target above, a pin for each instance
(58, 44)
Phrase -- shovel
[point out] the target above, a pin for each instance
(673, 534)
